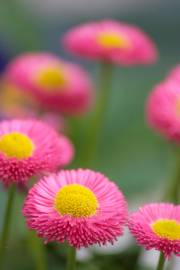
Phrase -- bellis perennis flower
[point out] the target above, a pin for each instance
(30, 147)
(157, 226)
(82, 207)
(54, 83)
(163, 109)
(111, 41)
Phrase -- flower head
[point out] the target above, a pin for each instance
(57, 85)
(163, 109)
(111, 41)
(79, 206)
(30, 147)
(157, 226)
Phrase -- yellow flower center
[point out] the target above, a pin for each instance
(111, 40)
(17, 145)
(76, 200)
(167, 228)
(51, 78)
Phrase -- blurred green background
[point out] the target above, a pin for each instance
(130, 153)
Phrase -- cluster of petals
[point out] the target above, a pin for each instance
(50, 150)
(105, 225)
(163, 109)
(140, 225)
(65, 87)
(111, 41)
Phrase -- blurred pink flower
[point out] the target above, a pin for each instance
(30, 147)
(57, 85)
(81, 207)
(112, 41)
(163, 109)
(157, 226)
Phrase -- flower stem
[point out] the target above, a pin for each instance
(97, 121)
(173, 191)
(6, 224)
(161, 262)
(37, 250)
(71, 260)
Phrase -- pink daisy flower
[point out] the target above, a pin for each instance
(57, 85)
(30, 147)
(163, 109)
(79, 206)
(157, 226)
(112, 41)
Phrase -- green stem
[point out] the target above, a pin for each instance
(37, 250)
(173, 192)
(6, 224)
(71, 260)
(161, 262)
(97, 120)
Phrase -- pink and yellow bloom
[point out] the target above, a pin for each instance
(30, 147)
(81, 207)
(57, 85)
(111, 41)
(157, 226)
(163, 109)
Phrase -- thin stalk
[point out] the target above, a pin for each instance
(161, 262)
(38, 251)
(71, 259)
(98, 117)
(6, 224)
(173, 190)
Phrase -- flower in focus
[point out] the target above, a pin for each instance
(111, 41)
(157, 226)
(30, 147)
(163, 109)
(57, 85)
(79, 206)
